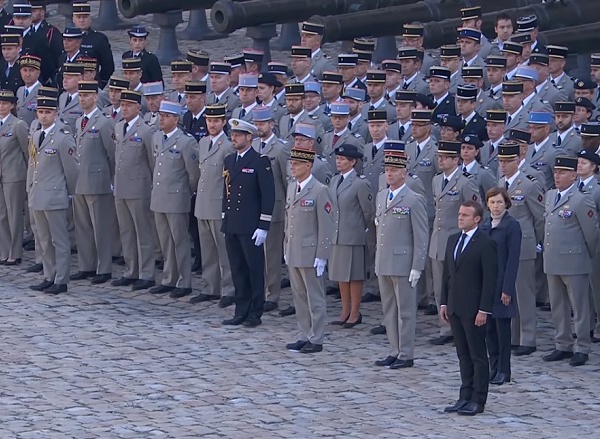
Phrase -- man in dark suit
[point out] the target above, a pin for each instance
(151, 71)
(439, 87)
(41, 27)
(10, 73)
(467, 296)
(466, 100)
(5, 16)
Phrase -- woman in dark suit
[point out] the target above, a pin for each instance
(506, 232)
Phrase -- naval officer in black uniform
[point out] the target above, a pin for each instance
(151, 71)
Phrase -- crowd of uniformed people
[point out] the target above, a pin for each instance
(348, 174)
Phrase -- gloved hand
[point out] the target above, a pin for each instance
(539, 248)
(320, 266)
(414, 277)
(285, 258)
(259, 237)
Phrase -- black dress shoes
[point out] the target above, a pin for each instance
(226, 301)
(310, 348)
(441, 340)
(269, 306)
(296, 347)
(402, 364)
(500, 379)
(289, 311)
(431, 310)
(56, 289)
(285, 283)
(378, 330)
(80, 275)
(349, 325)
(471, 409)
(456, 406)
(557, 355)
(524, 350)
(579, 359)
(123, 282)
(35, 268)
(142, 284)
(370, 297)
(161, 289)
(41, 287)
(204, 298)
(100, 278)
(235, 321)
(386, 362)
(252, 322)
(331, 290)
(180, 292)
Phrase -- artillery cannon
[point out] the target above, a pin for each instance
(133, 8)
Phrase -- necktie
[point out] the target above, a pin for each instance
(444, 183)
(389, 199)
(506, 184)
(291, 123)
(26, 92)
(350, 125)
(552, 81)
(405, 85)
(84, 122)
(210, 144)
(179, 99)
(242, 113)
(152, 118)
(491, 95)
(125, 128)
(508, 120)
(327, 110)
(461, 243)
(401, 132)
(558, 139)
(7, 71)
(262, 145)
(557, 198)
(374, 151)
(298, 189)
(238, 161)
(335, 138)
(69, 99)
(42, 137)
(464, 169)
(491, 149)
(371, 107)
(418, 150)
(114, 114)
(464, 121)
(164, 138)
(341, 180)
(580, 186)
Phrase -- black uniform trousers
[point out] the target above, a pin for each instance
(472, 358)
(247, 263)
(498, 344)
(193, 229)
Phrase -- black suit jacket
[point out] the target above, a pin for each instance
(35, 43)
(446, 107)
(151, 71)
(195, 127)
(469, 283)
(96, 45)
(13, 81)
(477, 126)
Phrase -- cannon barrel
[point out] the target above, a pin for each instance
(133, 8)
(227, 16)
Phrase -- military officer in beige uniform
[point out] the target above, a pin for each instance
(340, 135)
(268, 144)
(220, 84)
(566, 136)
(570, 239)
(209, 198)
(181, 72)
(294, 94)
(69, 109)
(116, 85)
(451, 187)
(154, 93)
(93, 204)
(13, 175)
(311, 36)
(27, 94)
(52, 165)
(307, 246)
(175, 179)
(134, 163)
(402, 235)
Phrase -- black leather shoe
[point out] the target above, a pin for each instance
(557, 355)
(310, 348)
(235, 321)
(402, 364)
(269, 306)
(579, 359)
(159, 265)
(41, 287)
(123, 282)
(118, 260)
(226, 301)
(331, 291)
(80, 275)
(100, 278)
(35, 268)
(456, 406)
(204, 298)
(500, 379)
(349, 325)
(296, 347)
(289, 311)
(142, 284)
(441, 340)
(370, 297)
(431, 310)
(285, 283)
(197, 265)
(180, 292)
(514, 347)
(524, 350)
(161, 289)
(471, 409)
(252, 322)
(386, 362)
(15, 262)
(378, 330)
(56, 289)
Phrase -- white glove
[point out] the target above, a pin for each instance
(320, 266)
(285, 258)
(259, 237)
(414, 277)
(538, 248)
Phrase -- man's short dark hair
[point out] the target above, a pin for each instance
(503, 16)
(475, 205)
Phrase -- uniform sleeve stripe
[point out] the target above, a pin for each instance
(264, 217)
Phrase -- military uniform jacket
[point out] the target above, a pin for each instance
(353, 209)
(571, 144)
(247, 113)
(519, 121)
(418, 83)
(5, 17)
(459, 189)
(570, 233)
(393, 132)
(53, 170)
(345, 138)
(484, 177)
(318, 115)
(487, 159)
(309, 224)
(96, 45)
(152, 119)
(321, 63)
(13, 150)
(385, 105)
(543, 161)
(321, 170)
(248, 193)
(176, 171)
(361, 128)
(486, 102)
(373, 166)
(428, 62)
(402, 233)
(277, 110)
(69, 113)
(229, 99)
(96, 155)
(37, 44)
(53, 36)
(455, 80)
(27, 105)
(549, 93)
(151, 71)
(536, 104)
(593, 190)
(209, 193)
(527, 207)
(488, 48)
(109, 111)
(286, 133)
(194, 126)
(13, 80)
(413, 182)
(425, 167)
(446, 107)
(566, 85)
(279, 156)
(174, 97)
(134, 160)
(477, 125)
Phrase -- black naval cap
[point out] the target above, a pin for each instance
(591, 156)
(348, 150)
(586, 103)
(454, 122)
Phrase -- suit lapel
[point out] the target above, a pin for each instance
(451, 182)
(469, 244)
(397, 199)
(563, 199)
(346, 183)
(6, 126)
(305, 190)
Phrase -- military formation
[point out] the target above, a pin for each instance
(345, 175)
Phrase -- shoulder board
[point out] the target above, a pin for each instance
(322, 159)
(585, 192)
(325, 55)
(283, 141)
(438, 173)
(187, 134)
(264, 155)
(67, 131)
(356, 135)
(415, 176)
(329, 131)
(532, 178)
(485, 167)
(466, 174)
(313, 116)
(364, 178)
